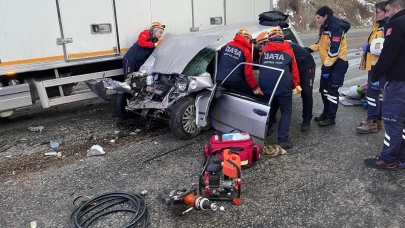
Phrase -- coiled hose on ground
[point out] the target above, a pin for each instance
(93, 209)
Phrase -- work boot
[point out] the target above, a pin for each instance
(305, 126)
(378, 163)
(286, 145)
(362, 122)
(320, 118)
(369, 127)
(327, 122)
(400, 165)
(379, 123)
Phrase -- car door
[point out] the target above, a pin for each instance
(228, 111)
(235, 112)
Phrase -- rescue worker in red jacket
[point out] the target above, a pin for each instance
(279, 54)
(143, 48)
(133, 59)
(233, 53)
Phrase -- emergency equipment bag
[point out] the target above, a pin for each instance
(238, 143)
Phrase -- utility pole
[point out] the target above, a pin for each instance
(271, 4)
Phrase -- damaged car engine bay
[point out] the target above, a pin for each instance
(160, 91)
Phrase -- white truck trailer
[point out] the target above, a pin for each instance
(49, 46)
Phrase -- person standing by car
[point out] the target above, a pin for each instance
(136, 56)
(332, 50)
(278, 54)
(233, 53)
(133, 59)
(369, 59)
(391, 66)
(306, 68)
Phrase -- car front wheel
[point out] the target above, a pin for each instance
(120, 102)
(182, 120)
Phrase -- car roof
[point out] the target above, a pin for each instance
(228, 32)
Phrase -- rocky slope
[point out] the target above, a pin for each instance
(358, 12)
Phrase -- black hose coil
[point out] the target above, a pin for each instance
(86, 214)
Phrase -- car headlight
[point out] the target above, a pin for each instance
(193, 84)
(181, 86)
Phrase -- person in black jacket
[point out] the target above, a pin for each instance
(306, 68)
(391, 65)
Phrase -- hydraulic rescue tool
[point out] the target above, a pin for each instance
(221, 181)
(182, 201)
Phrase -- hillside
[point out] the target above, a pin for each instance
(358, 12)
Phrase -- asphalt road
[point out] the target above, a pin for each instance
(321, 182)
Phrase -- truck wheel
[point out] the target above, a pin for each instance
(182, 119)
(120, 102)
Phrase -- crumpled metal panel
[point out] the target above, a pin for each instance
(100, 87)
(175, 52)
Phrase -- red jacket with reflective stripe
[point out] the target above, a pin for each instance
(281, 56)
(233, 53)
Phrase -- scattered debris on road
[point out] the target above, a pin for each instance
(144, 192)
(54, 144)
(36, 129)
(33, 224)
(121, 134)
(58, 154)
(95, 150)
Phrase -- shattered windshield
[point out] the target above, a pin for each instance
(199, 63)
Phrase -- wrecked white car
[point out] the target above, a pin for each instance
(176, 83)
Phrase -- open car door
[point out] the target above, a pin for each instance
(231, 111)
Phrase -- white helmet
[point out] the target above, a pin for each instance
(376, 46)
(353, 94)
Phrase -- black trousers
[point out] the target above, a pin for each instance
(307, 83)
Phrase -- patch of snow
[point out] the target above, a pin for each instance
(275, 2)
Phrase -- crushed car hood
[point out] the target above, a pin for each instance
(175, 52)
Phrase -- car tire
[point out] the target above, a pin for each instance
(120, 102)
(182, 119)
